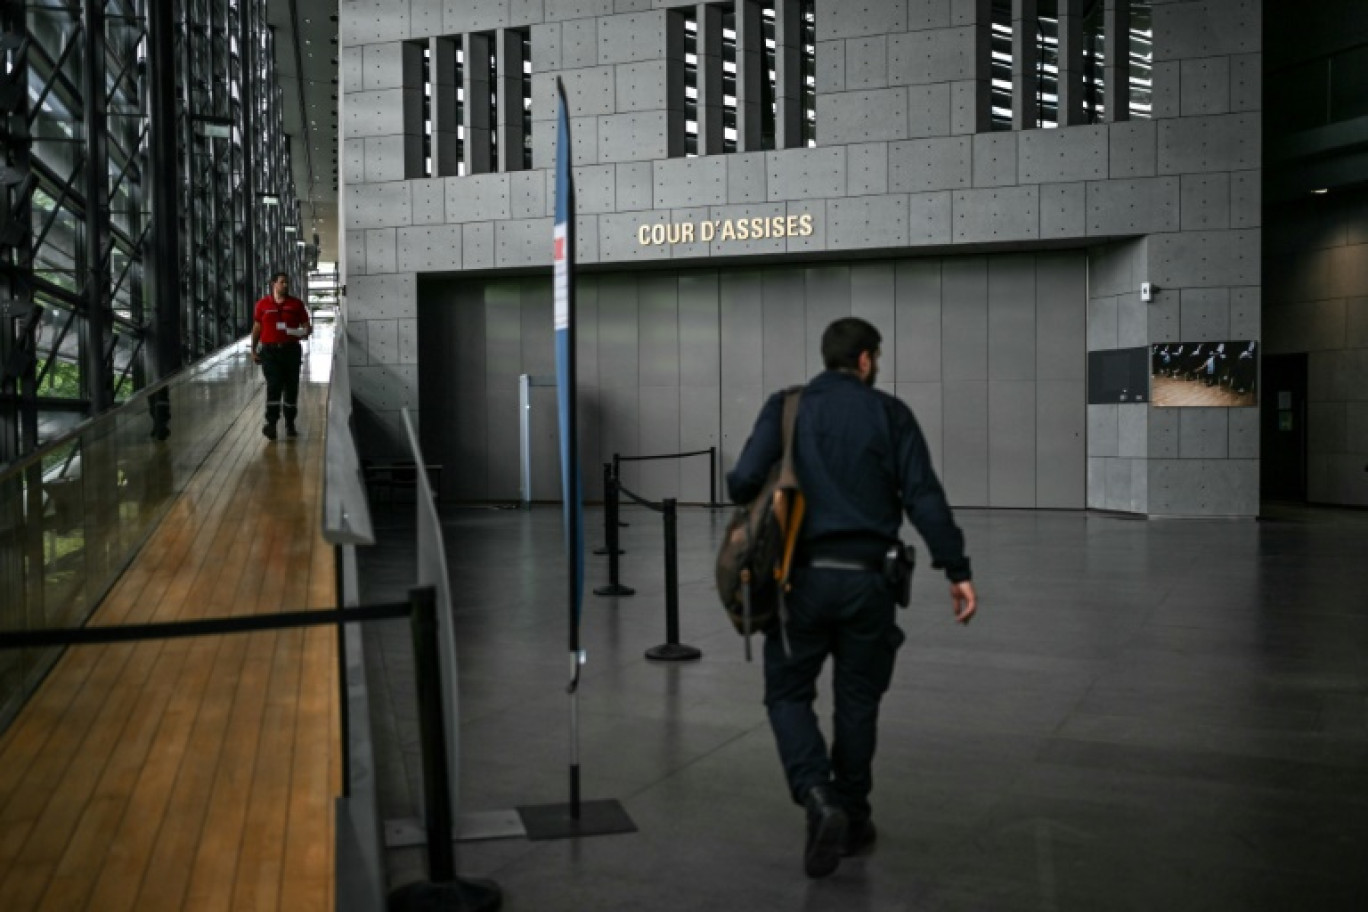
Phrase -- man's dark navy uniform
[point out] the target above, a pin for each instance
(862, 463)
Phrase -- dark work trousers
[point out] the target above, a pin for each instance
(850, 615)
(280, 366)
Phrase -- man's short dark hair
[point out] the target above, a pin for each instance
(844, 341)
(282, 274)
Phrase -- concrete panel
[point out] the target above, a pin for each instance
(995, 159)
(694, 217)
(429, 201)
(1356, 322)
(658, 329)
(964, 108)
(1142, 206)
(378, 206)
(1245, 313)
(632, 38)
(867, 62)
(587, 239)
(435, 248)
(477, 245)
(595, 189)
(1097, 483)
(919, 165)
(1205, 258)
(1104, 430)
(1012, 319)
(964, 318)
(929, 218)
(1244, 433)
(368, 21)
(928, 110)
(1167, 86)
(635, 187)
(746, 177)
(577, 9)
(1165, 318)
(1163, 433)
(382, 66)
(1116, 268)
(917, 331)
(1198, 30)
(827, 297)
(831, 67)
(579, 44)
(460, 16)
(1061, 458)
(867, 222)
(1132, 321)
(618, 241)
(873, 297)
(683, 182)
(1205, 314)
(1011, 444)
(741, 229)
(1205, 202)
(525, 12)
(354, 160)
(1063, 155)
(383, 341)
(351, 64)
(867, 169)
(1355, 433)
(1203, 433)
(929, 14)
(1006, 214)
(522, 242)
(1061, 316)
(478, 198)
(864, 17)
(864, 116)
(699, 425)
(1246, 199)
(380, 251)
(527, 197)
(1132, 431)
(386, 387)
(1246, 82)
(1228, 142)
(644, 86)
(1063, 210)
(1103, 326)
(805, 173)
(374, 113)
(965, 470)
(546, 49)
(784, 349)
(933, 55)
(817, 241)
(589, 92)
(1134, 148)
(699, 333)
(926, 402)
(1205, 86)
(385, 158)
(584, 141)
(632, 137)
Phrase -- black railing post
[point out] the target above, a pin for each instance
(436, 785)
(610, 534)
(712, 475)
(671, 650)
(617, 476)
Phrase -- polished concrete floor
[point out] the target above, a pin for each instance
(1145, 715)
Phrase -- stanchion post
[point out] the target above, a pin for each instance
(436, 786)
(617, 476)
(712, 475)
(610, 533)
(672, 650)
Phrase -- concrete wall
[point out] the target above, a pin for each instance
(1316, 275)
(898, 170)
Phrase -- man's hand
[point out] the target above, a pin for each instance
(963, 601)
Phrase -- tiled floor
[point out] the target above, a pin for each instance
(1145, 715)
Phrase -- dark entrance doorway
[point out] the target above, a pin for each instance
(1283, 428)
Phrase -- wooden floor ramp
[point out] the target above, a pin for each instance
(195, 773)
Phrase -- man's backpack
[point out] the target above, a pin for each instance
(757, 550)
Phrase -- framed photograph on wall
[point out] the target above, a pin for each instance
(1205, 374)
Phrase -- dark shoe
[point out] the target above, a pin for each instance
(859, 838)
(269, 430)
(827, 824)
(290, 430)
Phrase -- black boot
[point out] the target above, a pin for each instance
(826, 834)
(859, 837)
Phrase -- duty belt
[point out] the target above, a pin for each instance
(843, 563)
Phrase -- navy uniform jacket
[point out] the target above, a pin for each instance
(861, 461)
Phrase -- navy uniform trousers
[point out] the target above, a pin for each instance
(280, 366)
(850, 615)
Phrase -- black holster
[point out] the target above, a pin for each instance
(899, 561)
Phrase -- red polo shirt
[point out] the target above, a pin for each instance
(276, 318)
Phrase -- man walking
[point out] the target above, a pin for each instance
(861, 462)
(279, 323)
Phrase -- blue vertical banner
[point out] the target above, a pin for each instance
(562, 258)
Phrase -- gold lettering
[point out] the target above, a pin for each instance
(657, 234)
(687, 232)
(642, 233)
(791, 226)
(673, 233)
(757, 227)
(707, 231)
(777, 226)
(728, 230)
(805, 225)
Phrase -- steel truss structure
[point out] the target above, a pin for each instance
(145, 196)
